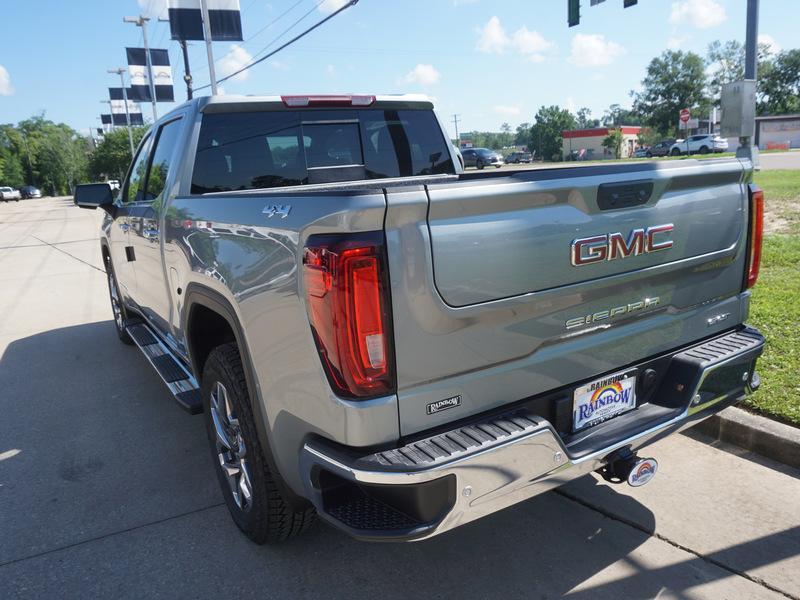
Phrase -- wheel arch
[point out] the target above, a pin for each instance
(201, 298)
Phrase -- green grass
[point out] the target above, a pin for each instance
(775, 308)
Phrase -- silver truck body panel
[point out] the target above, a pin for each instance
(481, 284)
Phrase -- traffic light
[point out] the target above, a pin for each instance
(573, 12)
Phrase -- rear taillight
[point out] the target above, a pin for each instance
(756, 234)
(347, 296)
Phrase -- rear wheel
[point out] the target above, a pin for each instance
(117, 308)
(479, 165)
(703, 149)
(649, 154)
(250, 490)
(675, 152)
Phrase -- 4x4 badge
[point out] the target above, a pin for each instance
(277, 209)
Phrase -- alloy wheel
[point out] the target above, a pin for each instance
(231, 448)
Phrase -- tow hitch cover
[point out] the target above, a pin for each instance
(643, 471)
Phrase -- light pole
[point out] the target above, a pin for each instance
(141, 21)
(121, 72)
(187, 74)
(207, 36)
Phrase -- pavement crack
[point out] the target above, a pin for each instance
(68, 254)
(111, 534)
(674, 544)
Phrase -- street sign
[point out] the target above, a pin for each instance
(685, 115)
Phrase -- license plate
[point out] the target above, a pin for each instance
(603, 399)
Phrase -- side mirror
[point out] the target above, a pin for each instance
(94, 195)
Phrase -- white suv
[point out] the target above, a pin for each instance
(7, 193)
(703, 144)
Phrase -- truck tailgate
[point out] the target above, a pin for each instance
(508, 286)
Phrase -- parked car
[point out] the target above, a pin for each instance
(642, 153)
(7, 194)
(375, 336)
(662, 148)
(581, 154)
(481, 157)
(519, 157)
(28, 191)
(702, 144)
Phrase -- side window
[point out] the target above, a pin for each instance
(162, 156)
(133, 192)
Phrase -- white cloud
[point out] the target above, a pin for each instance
(493, 38)
(507, 110)
(423, 75)
(768, 40)
(6, 89)
(530, 44)
(570, 104)
(153, 8)
(698, 13)
(676, 42)
(234, 60)
(329, 6)
(593, 50)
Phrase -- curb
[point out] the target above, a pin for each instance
(755, 433)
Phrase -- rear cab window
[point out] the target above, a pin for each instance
(263, 149)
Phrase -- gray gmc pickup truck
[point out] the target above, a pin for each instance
(380, 339)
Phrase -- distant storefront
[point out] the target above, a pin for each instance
(587, 144)
(778, 132)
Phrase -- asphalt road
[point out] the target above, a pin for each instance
(769, 161)
(107, 488)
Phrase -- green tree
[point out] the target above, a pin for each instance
(725, 63)
(112, 156)
(615, 116)
(674, 80)
(613, 142)
(779, 84)
(584, 119)
(546, 136)
(522, 136)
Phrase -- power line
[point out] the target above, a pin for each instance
(263, 29)
(291, 41)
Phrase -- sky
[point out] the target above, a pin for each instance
(488, 61)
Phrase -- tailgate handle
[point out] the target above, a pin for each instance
(611, 196)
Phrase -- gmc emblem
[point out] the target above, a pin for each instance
(612, 246)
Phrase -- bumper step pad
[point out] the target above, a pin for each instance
(182, 385)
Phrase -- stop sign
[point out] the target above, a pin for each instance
(685, 115)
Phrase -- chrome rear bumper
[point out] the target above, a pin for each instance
(437, 483)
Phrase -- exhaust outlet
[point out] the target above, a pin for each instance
(627, 467)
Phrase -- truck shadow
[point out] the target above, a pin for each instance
(92, 447)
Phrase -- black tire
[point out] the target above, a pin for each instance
(121, 317)
(675, 152)
(704, 150)
(479, 165)
(266, 516)
(649, 154)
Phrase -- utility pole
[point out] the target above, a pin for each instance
(746, 147)
(141, 21)
(207, 36)
(121, 72)
(187, 74)
(455, 122)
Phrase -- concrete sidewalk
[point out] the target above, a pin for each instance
(107, 487)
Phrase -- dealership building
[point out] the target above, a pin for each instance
(587, 144)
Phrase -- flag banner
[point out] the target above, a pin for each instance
(162, 75)
(224, 18)
(115, 94)
(121, 120)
